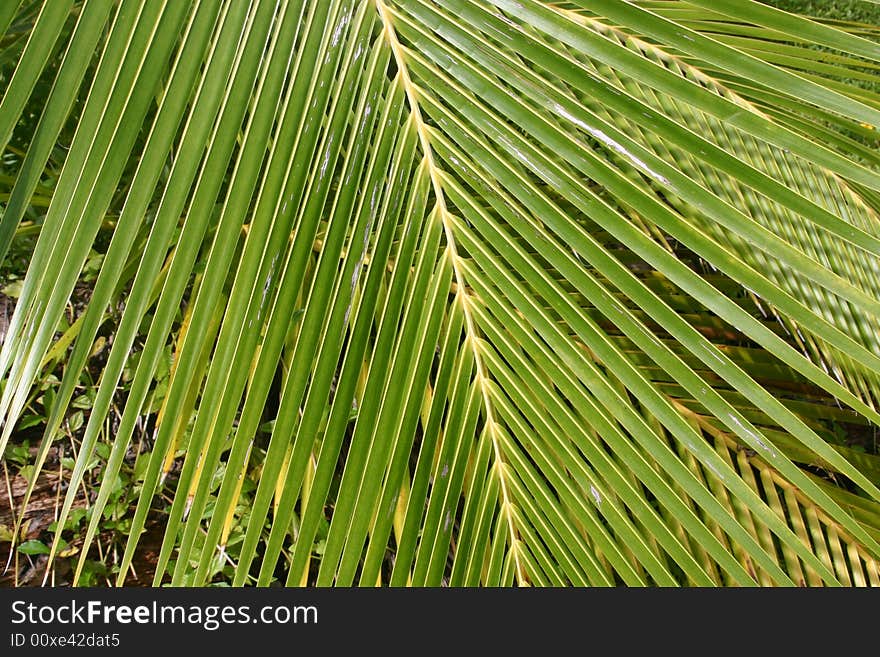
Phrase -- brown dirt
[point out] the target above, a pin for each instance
(40, 513)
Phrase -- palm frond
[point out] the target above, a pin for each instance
(462, 292)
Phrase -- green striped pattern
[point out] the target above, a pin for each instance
(458, 292)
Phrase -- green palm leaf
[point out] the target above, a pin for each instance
(452, 292)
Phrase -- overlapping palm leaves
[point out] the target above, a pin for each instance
(530, 292)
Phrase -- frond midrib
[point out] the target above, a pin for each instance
(461, 295)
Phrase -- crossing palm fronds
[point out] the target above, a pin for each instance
(454, 292)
